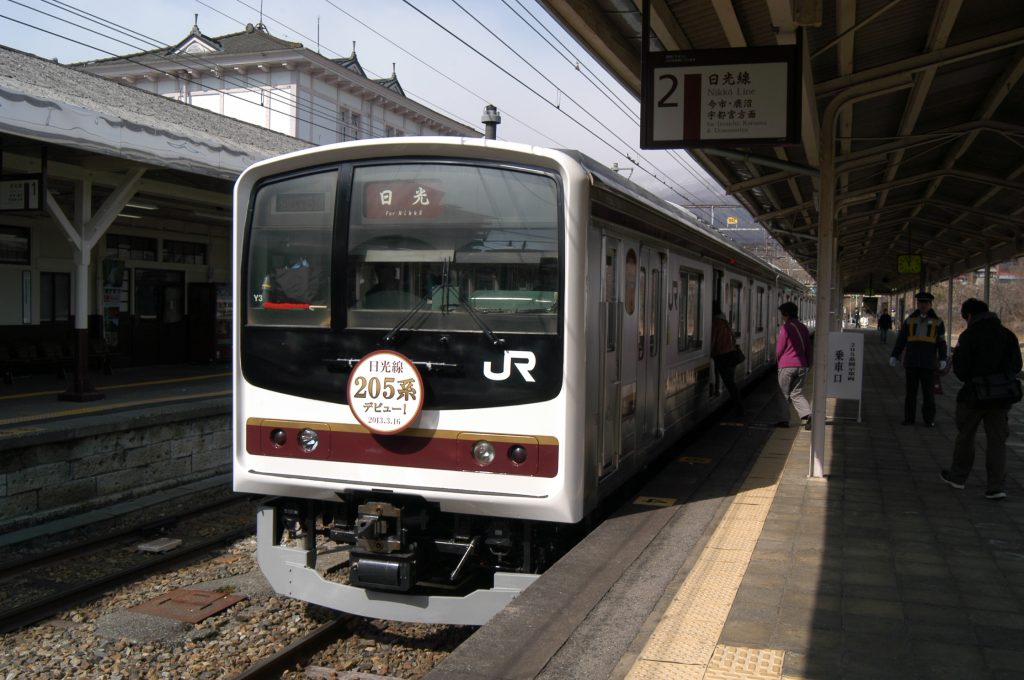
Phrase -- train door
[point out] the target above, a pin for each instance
(650, 281)
(717, 296)
(738, 319)
(610, 377)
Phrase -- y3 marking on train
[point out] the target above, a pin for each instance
(523, 361)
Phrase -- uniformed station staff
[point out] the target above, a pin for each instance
(922, 342)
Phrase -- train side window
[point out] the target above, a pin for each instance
(735, 307)
(759, 309)
(630, 293)
(611, 330)
(289, 265)
(641, 324)
(690, 329)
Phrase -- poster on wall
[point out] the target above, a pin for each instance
(222, 323)
(115, 300)
(26, 297)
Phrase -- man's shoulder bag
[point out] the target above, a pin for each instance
(996, 388)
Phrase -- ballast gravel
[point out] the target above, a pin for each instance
(104, 640)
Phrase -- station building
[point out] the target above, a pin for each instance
(116, 180)
(280, 85)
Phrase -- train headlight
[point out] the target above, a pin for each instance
(309, 440)
(483, 452)
(278, 437)
(517, 454)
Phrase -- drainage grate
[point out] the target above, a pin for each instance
(191, 606)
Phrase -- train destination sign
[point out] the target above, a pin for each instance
(722, 97)
(385, 392)
(403, 199)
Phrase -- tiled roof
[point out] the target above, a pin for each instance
(253, 39)
(256, 40)
(391, 83)
(351, 63)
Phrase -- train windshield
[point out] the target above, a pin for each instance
(289, 268)
(427, 241)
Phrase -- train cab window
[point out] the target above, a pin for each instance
(690, 310)
(454, 245)
(289, 265)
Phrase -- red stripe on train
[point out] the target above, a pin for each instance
(430, 452)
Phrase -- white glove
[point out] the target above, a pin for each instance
(942, 365)
(893, 362)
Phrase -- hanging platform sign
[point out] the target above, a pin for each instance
(21, 192)
(721, 97)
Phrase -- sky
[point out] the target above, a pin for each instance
(456, 56)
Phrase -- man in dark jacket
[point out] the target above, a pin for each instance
(884, 325)
(987, 349)
(923, 335)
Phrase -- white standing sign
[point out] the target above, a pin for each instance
(845, 366)
(385, 392)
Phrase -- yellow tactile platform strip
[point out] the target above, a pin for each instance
(684, 645)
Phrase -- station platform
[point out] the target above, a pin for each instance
(877, 571)
(156, 430)
(32, 413)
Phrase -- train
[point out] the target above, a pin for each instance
(449, 351)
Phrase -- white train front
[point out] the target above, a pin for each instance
(448, 351)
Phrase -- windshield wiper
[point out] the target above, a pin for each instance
(389, 337)
(488, 333)
(446, 289)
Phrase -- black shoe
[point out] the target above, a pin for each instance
(945, 477)
(931, 424)
(807, 422)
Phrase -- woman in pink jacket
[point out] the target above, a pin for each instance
(793, 352)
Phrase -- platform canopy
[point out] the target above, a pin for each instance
(923, 102)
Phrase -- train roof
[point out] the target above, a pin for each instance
(716, 244)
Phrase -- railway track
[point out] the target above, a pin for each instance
(298, 652)
(38, 586)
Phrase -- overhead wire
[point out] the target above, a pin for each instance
(574, 61)
(538, 72)
(192, 61)
(599, 84)
(576, 64)
(299, 33)
(435, 70)
(291, 100)
(545, 99)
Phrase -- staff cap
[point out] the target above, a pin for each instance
(924, 297)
